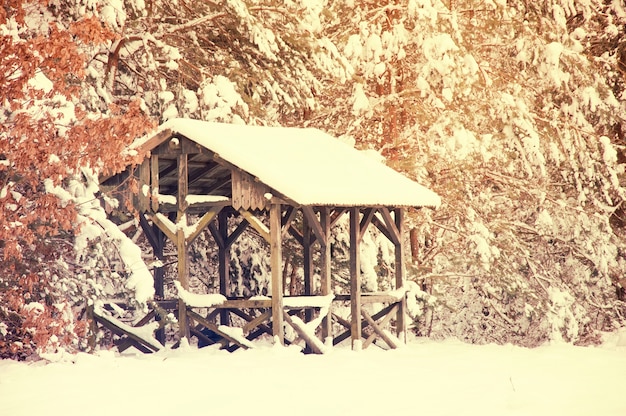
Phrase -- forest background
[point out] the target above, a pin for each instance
(512, 111)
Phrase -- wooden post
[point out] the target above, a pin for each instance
(399, 266)
(223, 260)
(143, 198)
(326, 288)
(276, 266)
(181, 241)
(355, 279)
(159, 277)
(154, 182)
(307, 265)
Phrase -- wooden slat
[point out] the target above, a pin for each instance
(276, 269)
(247, 193)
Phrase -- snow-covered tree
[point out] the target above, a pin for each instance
(502, 108)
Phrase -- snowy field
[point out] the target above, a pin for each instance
(423, 378)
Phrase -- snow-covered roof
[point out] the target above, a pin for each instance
(305, 165)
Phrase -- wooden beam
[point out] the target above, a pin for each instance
(355, 278)
(154, 141)
(276, 267)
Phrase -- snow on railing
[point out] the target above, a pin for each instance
(196, 300)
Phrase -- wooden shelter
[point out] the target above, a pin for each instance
(219, 171)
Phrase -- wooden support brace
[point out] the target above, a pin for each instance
(344, 322)
(140, 343)
(314, 223)
(368, 214)
(202, 223)
(391, 226)
(379, 329)
(314, 344)
(210, 325)
(164, 225)
(287, 219)
(257, 224)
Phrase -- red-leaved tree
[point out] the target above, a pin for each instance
(46, 136)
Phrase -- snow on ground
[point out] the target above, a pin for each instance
(423, 378)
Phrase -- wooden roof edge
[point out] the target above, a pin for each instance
(142, 149)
